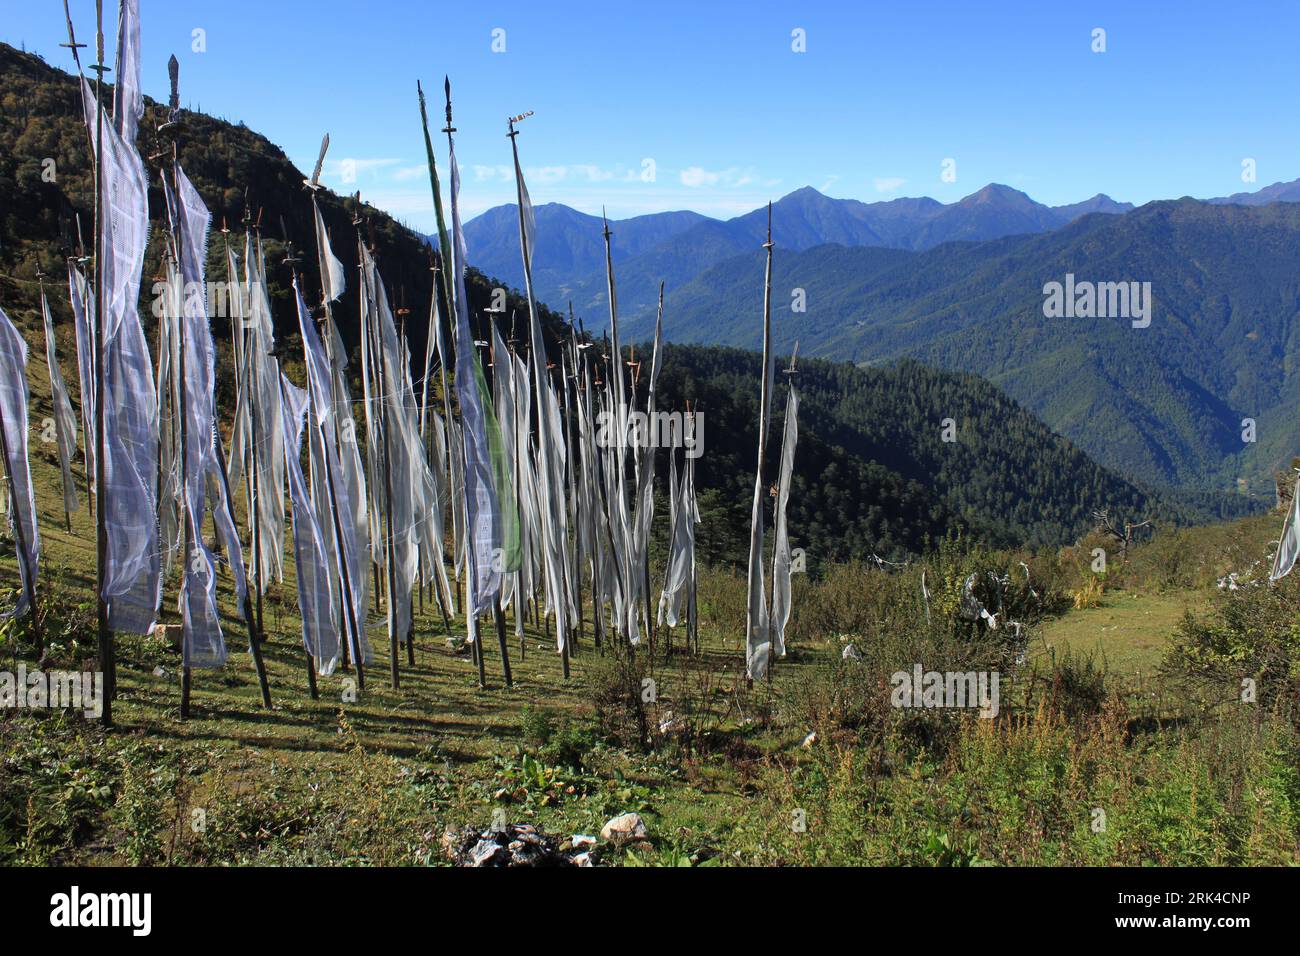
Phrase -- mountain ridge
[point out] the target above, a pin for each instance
(1165, 403)
(802, 218)
(569, 260)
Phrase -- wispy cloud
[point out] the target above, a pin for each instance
(406, 173)
(565, 173)
(732, 178)
(399, 186)
(887, 184)
(484, 174)
(349, 169)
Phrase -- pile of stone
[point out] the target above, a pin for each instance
(522, 844)
(517, 844)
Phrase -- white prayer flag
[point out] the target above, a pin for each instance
(482, 524)
(203, 644)
(83, 308)
(320, 634)
(346, 554)
(22, 498)
(1289, 545)
(332, 275)
(781, 553)
(132, 585)
(65, 421)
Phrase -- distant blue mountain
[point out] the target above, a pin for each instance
(673, 247)
(1277, 192)
(570, 244)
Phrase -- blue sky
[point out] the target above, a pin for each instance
(729, 114)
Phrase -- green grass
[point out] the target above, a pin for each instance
(1130, 630)
(376, 781)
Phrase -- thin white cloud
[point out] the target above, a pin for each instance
(410, 172)
(732, 178)
(569, 172)
(546, 175)
(696, 176)
(483, 174)
(349, 169)
(887, 184)
(721, 193)
(592, 173)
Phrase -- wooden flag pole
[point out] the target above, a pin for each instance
(540, 383)
(328, 341)
(254, 638)
(500, 617)
(238, 354)
(73, 46)
(389, 549)
(349, 607)
(518, 435)
(189, 532)
(107, 657)
(311, 677)
(401, 313)
(410, 618)
(254, 485)
(311, 660)
(597, 603)
(762, 445)
(427, 436)
(471, 613)
(477, 646)
(441, 272)
(574, 465)
(348, 600)
(615, 370)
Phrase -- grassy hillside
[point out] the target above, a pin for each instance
(719, 771)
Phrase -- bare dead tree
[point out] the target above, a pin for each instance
(1125, 537)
